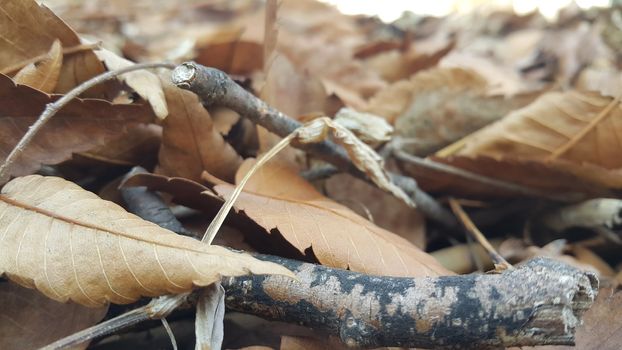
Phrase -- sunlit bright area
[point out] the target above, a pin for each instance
(389, 10)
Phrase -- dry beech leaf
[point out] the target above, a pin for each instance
(145, 83)
(28, 30)
(439, 106)
(371, 202)
(553, 178)
(43, 75)
(337, 236)
(292, 92)
(190, 143)
(576, 127)
(79, 126)
(31, 320)
(229, 52)
(57, 236)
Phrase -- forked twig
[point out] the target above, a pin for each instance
(214, 87)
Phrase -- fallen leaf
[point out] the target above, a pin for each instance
(336, 235)
(553, 178)
(229, 52)
(81, 125)
(190, 143)
(371, 202)
(31, 320)
(44, 75)
(29, 29)
(145, 83)
(47, 220)
(576, 127)
(439, 106)
(139, 146)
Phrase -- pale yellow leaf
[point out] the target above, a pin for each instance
(145, 83)
(43, 75)
(71, 245)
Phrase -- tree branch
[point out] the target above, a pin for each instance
(540, 302)
(215, 87)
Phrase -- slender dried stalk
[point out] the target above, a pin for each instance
(497, 259)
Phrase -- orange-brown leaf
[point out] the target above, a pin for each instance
(190, 144)
(43, 75)
(28, 30)
(277, 197)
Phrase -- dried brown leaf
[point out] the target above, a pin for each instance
(28, 30)
(576, 127)
(31, 320)
(57, 236)
(79, 126)
(138, 147)
(553, 178)
(439, 106)
(190, 144)
(276, 197)
(44, 75)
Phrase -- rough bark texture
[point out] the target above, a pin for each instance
(541, 302)
(214, 87)
(538, 303)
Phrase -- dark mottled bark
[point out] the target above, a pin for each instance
(147, 204)
(540, 302)
(214, 87)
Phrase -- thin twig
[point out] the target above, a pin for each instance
(52, 108)
(497, 259)
(158, 308)
(484, 180)
(214, 87)
(68, 51)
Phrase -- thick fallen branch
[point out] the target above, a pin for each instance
(538, 303)
(215, 87)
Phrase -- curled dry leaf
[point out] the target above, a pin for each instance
(81, 125)
(190, 143)
(31, 320)
(336, 236)
(43, 75)
(28, 30)
(145, 83)
(439, 106)
(71, 245)
(369, 128)
(362, 156)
